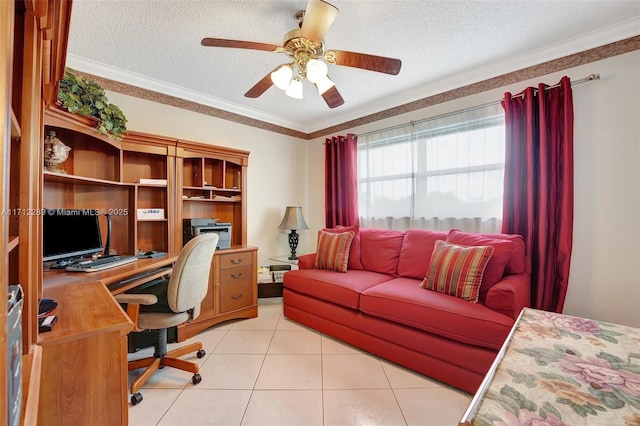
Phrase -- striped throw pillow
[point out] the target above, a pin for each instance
(457, 270)
(333, 250)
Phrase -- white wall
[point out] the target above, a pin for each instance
(605, 272)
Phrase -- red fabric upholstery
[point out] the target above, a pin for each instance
(510, 295)
(416, 250)
(402, 301)
(380, 250)
(517, 264)
(341, 288)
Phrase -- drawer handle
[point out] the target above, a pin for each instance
(236, 296)
(236, 261)
(238, 275)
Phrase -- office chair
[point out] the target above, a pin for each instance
(169, 303)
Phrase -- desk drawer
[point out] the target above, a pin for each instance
(233, 260)
(235, 288)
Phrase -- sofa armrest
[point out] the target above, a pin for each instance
(509, 295)
(306, 261)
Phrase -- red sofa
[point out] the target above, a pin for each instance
(377, 304)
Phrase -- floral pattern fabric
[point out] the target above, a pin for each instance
(564, 370)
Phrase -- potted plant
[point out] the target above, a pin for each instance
(83, 96)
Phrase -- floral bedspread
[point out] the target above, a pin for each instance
(564, 370)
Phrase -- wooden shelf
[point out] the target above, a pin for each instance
(16, 132)
(13, 242)
(67, 178)
(31, 372)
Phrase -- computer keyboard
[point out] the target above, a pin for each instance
(101, 263)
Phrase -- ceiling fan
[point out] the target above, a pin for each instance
(305, 47)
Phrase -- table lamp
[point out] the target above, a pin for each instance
(293, 220)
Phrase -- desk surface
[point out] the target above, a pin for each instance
(60, 277)
(559, 369)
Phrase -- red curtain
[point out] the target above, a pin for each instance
(538, 189)
(341, 191)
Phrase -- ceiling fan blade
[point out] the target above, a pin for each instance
(318, 17)
(239, 44)
(332, 97)
(261, 86)
(365, 61)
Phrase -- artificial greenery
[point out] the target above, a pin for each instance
(83, 96)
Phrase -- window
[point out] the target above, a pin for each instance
(439, 174)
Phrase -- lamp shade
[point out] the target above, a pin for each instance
(293, 219)
(295, 89)
(282, 77)
(316, 70)
(324, 84)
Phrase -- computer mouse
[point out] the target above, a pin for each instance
(150, 252)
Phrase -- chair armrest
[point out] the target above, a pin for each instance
(306, 261)
(133, 302)
(138, 299)
(509, 295)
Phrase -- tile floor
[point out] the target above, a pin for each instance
(272, 371)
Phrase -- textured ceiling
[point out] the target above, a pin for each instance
(443, 44)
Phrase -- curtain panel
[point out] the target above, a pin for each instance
(538, 185)
(341, 191)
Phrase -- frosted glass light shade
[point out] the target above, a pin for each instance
(324, 84)
(295, 89)
(316, 70)
(282, 77)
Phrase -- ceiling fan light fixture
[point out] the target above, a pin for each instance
(316, 70)
(324, 84)
(282, 77)
(295, 89)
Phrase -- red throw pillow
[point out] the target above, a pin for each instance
(354, 252)
(502, 250)
(333, 251)
(457, 270)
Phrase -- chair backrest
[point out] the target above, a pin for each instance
(190, 277)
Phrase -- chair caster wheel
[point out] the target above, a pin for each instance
(136, 398)
(201, 353)
(196, 379)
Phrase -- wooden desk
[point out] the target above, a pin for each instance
(84, 357)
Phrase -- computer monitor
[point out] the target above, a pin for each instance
(70, 233)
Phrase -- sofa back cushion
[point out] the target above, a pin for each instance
(380, 250)
(503, 251)
(354, 251)
(416, 250)
(517, 264)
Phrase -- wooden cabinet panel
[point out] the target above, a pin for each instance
(235, 288)
(233, 260)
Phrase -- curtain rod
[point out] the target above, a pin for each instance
(588, 78)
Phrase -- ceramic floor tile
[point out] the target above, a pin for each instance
(290, 372)
(230, 371)
(153, 406)
(432, 406)
(295, 342)
(286, 324)
(244, 342)
(284, 407)
(261, 322)
(203, 407)
(270, 305)
(164, 378)
(362, 407)
(400, 377)
(334, 346)
(353, 371)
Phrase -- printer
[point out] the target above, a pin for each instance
(194, 227)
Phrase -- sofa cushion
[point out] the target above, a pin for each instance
(333, 251)
(380, 250)
(343, 289)
(416, 250)
(518, 262)
(354, 251)
(457, 270)
(502, 252)
(402, 301)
